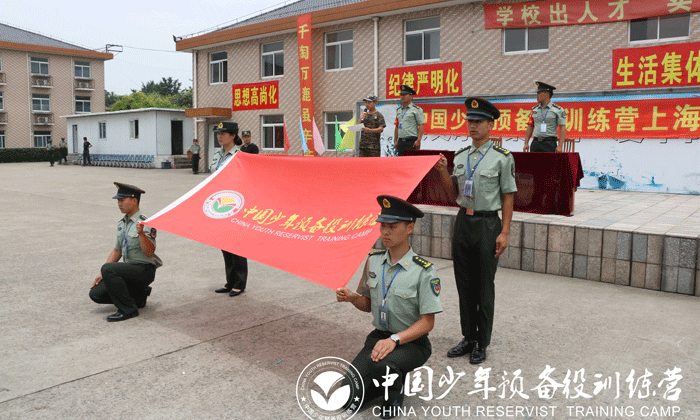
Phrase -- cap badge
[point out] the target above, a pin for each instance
(221, 125)
(475, 104)
(386, 203)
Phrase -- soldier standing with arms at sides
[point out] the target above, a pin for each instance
(236, 266)
(546, 117)
(409, 125)
(50, 147)
(127, 284)
(195, 156)
(402, 291)
(63, 150)
(374, 124)
(86, 152)
(483, 182)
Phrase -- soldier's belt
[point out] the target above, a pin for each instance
(546, 138)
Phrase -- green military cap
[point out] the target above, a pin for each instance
(127, 191)
(543, 87)
(407, 90)
(481, 109)
(227, 126)
(396, 210)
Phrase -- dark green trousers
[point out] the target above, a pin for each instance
(543, 146)
(473, 250)
(236, 270)
(402, 360)
(121, 282)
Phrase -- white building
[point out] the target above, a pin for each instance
(155, 132)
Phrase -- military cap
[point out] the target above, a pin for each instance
(543, 87)
(396, 210)
(245, 133)
(127, 191)
(227, 127)
(406, 89)
(481, 109)
(370, 98)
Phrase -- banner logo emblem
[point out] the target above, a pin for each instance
(223, 204)
(330, 387)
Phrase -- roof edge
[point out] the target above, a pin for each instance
(318, 17)
(55, 50)
(123, 111)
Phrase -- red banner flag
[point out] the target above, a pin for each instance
(442, 79)
(295, 214)
(306, 84)
(286, 137)
(579, 12)
(657, 66)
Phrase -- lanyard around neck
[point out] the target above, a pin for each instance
(385, 289)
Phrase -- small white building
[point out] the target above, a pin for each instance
(158, 132)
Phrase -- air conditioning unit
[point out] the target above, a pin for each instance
(42, 120)
(41, 82)
(83, 85)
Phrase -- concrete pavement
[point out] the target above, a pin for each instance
(193, 354)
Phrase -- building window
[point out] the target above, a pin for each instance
(273, 59)
(82, 69)
(82, 104)
(524, 40)
(422, 39)
(2, 102)
(273, 131)
(331, 117)
(218, 68)
(339, 50)
(41, 138)
(39, 65)
(133, 129)
(102, 126)
(2, 139)
(658, 28)
(40, 102)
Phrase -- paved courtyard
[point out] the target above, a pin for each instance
(193, 354)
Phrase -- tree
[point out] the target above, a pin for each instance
(111, 98)
(138, 100)
(166, 87)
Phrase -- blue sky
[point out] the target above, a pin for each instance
(137, 25)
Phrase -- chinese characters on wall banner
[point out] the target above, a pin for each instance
(660, 66)
(662, 118)
(253, 96)
(578, 12)
(306, 79)
(428, 81)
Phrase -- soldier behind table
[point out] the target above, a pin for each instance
(546, 117)
(236, 266)
(409, 125)
(247, 146)
(374, 125)
(195, 155)
(483, 182)
(63, 149)
(127, 284)
(402, 291)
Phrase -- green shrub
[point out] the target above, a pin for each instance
(28, 154)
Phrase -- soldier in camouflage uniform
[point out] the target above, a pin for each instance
(372, 131)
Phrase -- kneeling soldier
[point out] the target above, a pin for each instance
(402, 291)
(126, 284)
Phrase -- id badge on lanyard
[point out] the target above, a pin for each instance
(543, 128)
(468, 188)
(383, 317)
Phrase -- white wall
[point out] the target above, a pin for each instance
(154, 132)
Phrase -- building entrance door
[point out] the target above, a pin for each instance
(75, 139)
(176, 137)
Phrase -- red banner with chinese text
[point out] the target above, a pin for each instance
(252, 96)
(578, 12)
(444, 79)
(306, 80)
(304, 216)
(662, 66)
(660, 118)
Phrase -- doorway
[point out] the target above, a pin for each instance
(176, 137)
(76, 149)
